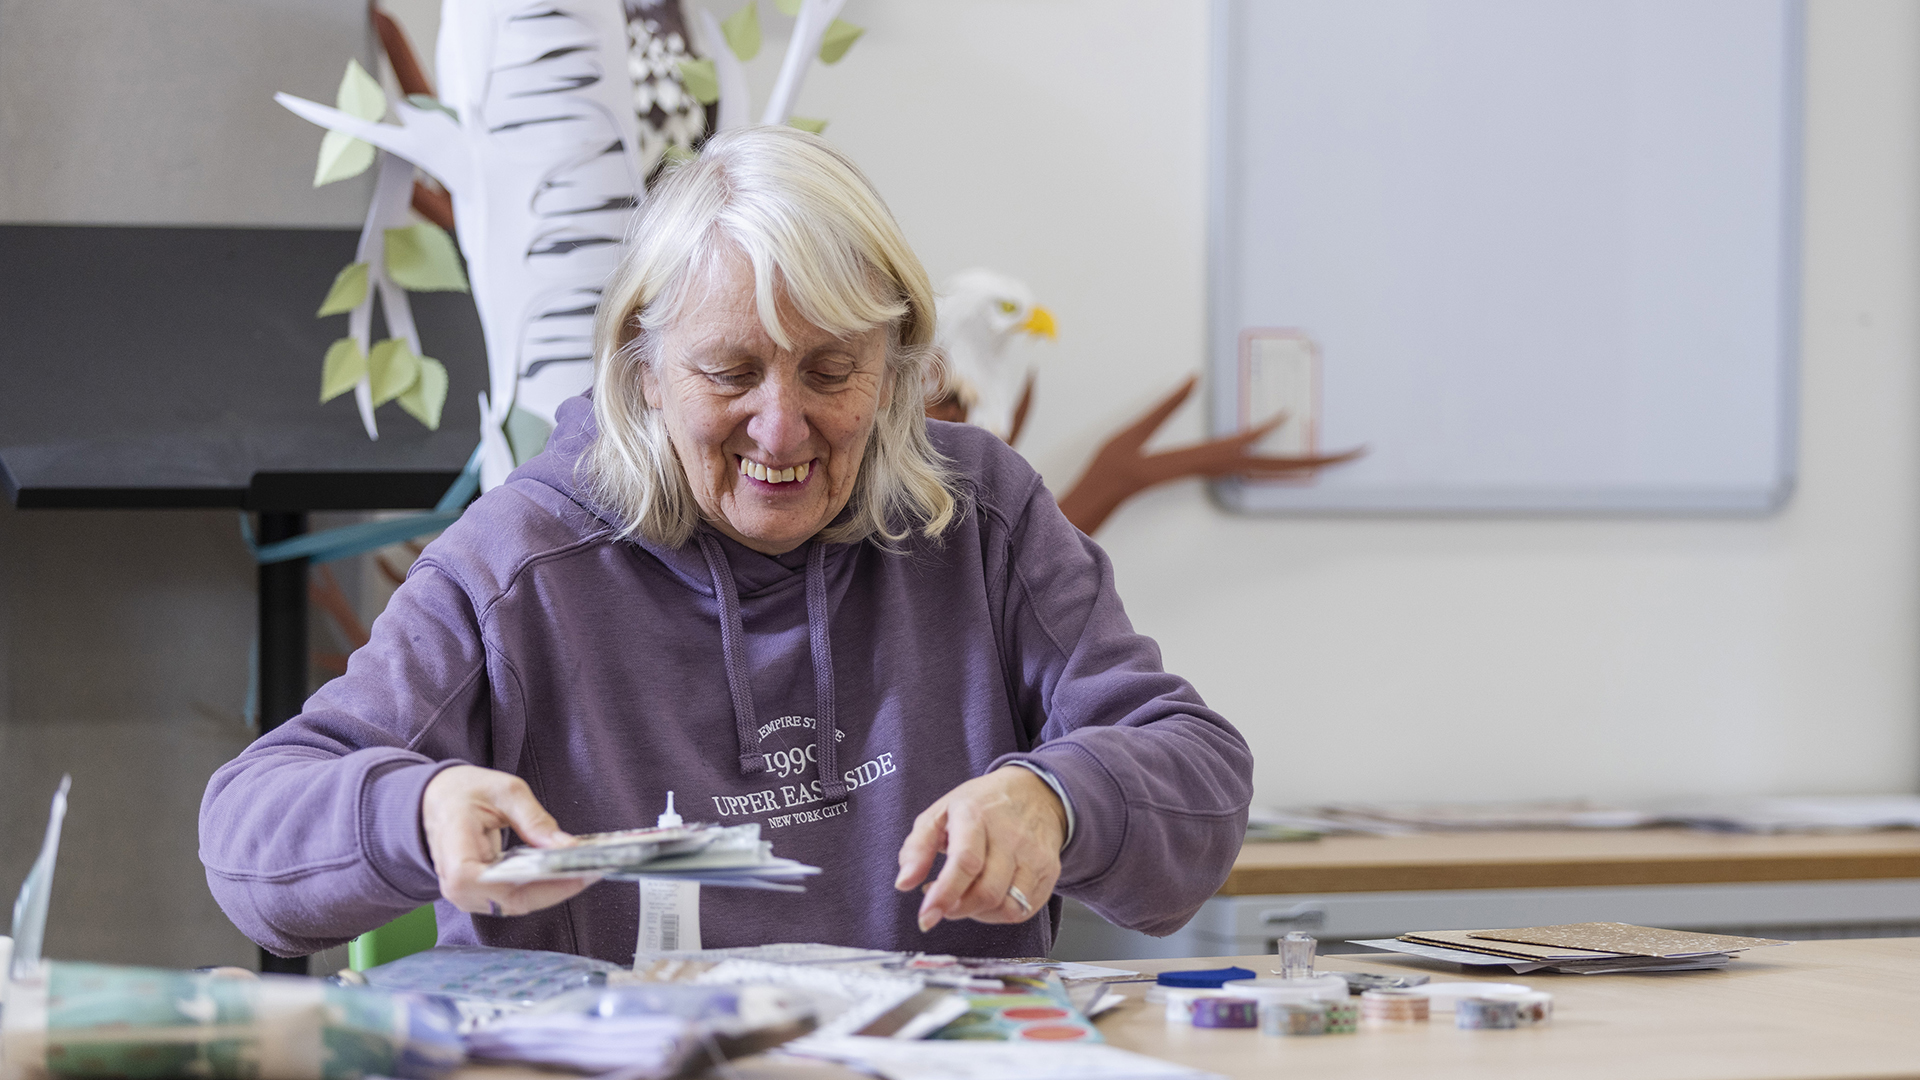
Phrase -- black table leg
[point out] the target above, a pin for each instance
(283, 655)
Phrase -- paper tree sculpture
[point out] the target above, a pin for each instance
(536, 136)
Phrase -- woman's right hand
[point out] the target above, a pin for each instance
(462, 812)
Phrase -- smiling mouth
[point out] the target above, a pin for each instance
(791, 474)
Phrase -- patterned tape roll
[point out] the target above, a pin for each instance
(1343, 1017)
(1393, 1006)
(1486, 1013)
(1534, 1006)
(1225, 1012)
(1294, 1017)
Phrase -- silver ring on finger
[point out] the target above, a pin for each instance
(1026, 905)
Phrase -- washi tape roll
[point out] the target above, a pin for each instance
(1532, 1006)
(1294, 1017)
(1393, 1006)
(1343, 1017)
(1486, 1012)
(1226, 1012)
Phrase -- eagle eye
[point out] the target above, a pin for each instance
(1009, 307)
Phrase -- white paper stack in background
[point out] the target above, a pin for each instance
(708, 854)
(1574, 948)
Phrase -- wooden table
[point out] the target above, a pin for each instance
(1567, 858)
(1807, 1011)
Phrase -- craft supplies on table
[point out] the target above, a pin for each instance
(100, 1020)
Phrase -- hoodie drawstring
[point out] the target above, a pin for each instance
(833, 787)
(733, 649)
(733, 646)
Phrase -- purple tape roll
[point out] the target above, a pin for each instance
(1226, 1012)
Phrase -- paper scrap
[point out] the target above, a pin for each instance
(1464, 939)
(349, 291)
(742, 30)
(898, 1060)
(807, 123)
(789, 8)
(701, 79)
(425, 399)
(839, 37)
(393, 368)
(1625, 938)
(345, 366)
(421, 258)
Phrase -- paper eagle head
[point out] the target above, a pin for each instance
(980, 314)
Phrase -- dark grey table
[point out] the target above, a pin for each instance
(176, 368)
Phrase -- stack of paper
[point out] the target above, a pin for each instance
(1574, 948)
(709, 854)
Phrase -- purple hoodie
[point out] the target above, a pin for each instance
(606, 672)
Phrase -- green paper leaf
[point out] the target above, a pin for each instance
(742, 30)
(674, 155)
(393, 368)
(424, 400)
(701, 80)
(341, 157)
(428, 101)
(345, 366)
(526, 434)
(422, 258)
(349, 291)
(807, 123)
(360, 94)
(839, 37)
(788, 7)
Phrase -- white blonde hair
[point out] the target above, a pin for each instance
(816, 234)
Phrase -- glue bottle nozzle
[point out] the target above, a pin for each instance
(669, 820)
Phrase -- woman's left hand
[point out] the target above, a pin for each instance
(1002, 833)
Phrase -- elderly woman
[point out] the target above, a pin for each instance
(748, 570)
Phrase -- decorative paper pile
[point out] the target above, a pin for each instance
(103, 1020)
(709, 854)
(1575, 948)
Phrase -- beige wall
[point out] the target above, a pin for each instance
(1438, 657)
(1062, 141)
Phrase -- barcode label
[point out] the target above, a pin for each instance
(669, 917)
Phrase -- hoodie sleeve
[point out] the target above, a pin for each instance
(1160, 783)
(312, 835)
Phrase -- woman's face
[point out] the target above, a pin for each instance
(771, 439)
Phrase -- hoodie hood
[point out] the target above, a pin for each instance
(715, 565)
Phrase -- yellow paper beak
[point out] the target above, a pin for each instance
(1040, 323)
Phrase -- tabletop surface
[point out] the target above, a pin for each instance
(180, 367)
(1569, 858)
(1812, 1010)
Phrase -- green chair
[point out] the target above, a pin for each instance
(413, 932)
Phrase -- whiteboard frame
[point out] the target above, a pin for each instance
(1294, 498)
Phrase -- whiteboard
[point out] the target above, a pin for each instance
(1534, 255)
